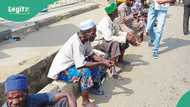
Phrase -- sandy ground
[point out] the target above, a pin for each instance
(148, 82)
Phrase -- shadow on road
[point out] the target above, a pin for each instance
(113, 87)
(3, 55)
(135, 60)
(173, 43)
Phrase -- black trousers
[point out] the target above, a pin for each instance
(186, 19)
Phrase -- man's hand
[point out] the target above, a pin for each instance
(132, 39)
(128, 19)
(71, 99)
(108, 63)
(141, 37)
(60, 95)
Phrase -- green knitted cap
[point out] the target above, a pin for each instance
(110, 8)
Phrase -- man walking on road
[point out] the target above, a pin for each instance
(186, 17)
(157, 11)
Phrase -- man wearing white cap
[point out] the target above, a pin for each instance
(157, 12)
(71, 64)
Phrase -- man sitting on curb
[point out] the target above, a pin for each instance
(107, 32)
(16, 91)
(71, 63)
(132, 18)
(124, 9)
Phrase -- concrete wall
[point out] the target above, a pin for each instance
(37, 77)
(60, 3)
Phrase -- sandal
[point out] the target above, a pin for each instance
(114, 73)
(96, 91)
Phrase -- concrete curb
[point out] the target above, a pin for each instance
(5, 33)
(39, 70)
(58, 86)
(36, 74)
(41, 83)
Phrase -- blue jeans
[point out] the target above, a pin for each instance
(155, 33)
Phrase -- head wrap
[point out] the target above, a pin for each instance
(16, 82)
(120, 1)
(87, 24)
(110, 8)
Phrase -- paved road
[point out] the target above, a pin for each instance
(148, 82)
(15, 57)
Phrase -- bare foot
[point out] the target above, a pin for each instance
(85, 102)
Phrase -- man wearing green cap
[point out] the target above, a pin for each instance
(107, 31)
